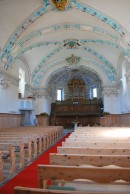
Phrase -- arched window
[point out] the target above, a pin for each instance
(60, 94)
(93, 92)
(21, 82)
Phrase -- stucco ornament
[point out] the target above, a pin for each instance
(60, 5)
(73, 60)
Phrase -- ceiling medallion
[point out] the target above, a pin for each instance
(72, 44)
(73, 60)
(60, 5)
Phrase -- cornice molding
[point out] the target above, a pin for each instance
(28, 87)
(7, 78)
(127, 75)
(39, 92)
(110, 91)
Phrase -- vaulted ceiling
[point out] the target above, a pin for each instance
(58, 37)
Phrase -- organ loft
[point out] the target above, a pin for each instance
(78, 106)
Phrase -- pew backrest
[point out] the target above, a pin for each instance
(94, 160)
(70, 173)
(26, 190)
(93, 151)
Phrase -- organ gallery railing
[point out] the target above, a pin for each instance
(77, 107)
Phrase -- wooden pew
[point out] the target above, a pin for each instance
(35, 139)
(26, 190)
(21, 146)
(25, 136)
(100, 130)
(45, 136)
(26, 139)
(93, 151)
(95, 135)
(94, 160)
(1, 167)
(8, 155)
(70, 173)
(96, 144)
(95, 140)
(12, 149)
(55, 173)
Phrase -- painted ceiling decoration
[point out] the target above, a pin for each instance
(68, 43)
(40, 65)
(101, 16)
(102, 58)
(41, 32)
(66, 39)
(73, 60)
(60, 5)
(62, 75)
(94, 64)
(87, 76)
(71, 44)
(111, 77)
(43, 62)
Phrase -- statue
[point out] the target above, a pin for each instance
(75, 124)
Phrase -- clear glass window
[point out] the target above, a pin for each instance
(94, 92)
(59, 95)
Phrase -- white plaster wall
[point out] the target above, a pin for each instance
(115, 103)
(9, 102)
(128, 90)
(125, 99)
(122, 101)
(42, 105)
(112, 104)
(27, 93)
(15, 71)
(48, 105)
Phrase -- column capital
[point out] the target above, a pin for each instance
(110, 91)
(127, 75)
(6, 78)
(39, 92)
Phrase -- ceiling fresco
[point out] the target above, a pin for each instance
(91, 44)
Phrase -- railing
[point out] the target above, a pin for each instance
(79, 101)
(77, 107)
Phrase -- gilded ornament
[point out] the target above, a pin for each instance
(73, 60)
(60, 4)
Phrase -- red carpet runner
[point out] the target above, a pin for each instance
(28, 177)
